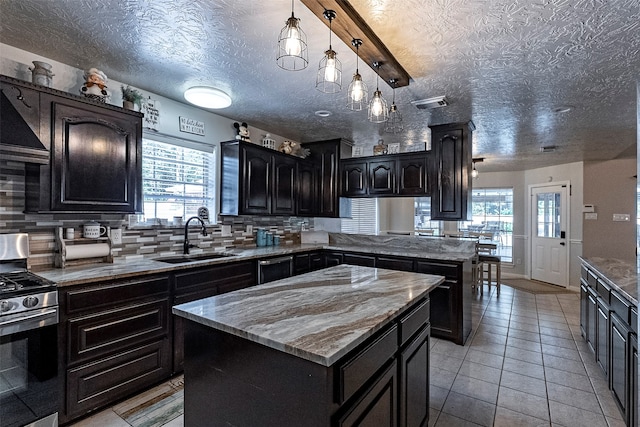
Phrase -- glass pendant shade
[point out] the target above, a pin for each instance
(394, 123)
(292, 46)
(358, 93)
(378, 110)
(474, 171)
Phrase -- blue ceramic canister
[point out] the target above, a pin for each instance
(269, 239)
(261, 237)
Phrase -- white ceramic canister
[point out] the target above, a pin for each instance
(41, 73)
(93, 230)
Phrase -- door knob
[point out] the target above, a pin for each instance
(561, 243)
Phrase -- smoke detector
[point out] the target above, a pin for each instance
(430, 103)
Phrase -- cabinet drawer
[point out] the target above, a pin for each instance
(112, 331)
(237, 273)
(634, 320)
(355, 372)
(592, 279)
(395, 263)
(413, 321)
(364, 260)
(621, 306)
(103, 382)
(114, 294)
(603, 290)
(447, 270)
(584, 274)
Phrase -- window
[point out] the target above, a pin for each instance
(364, 217)
(178, 177)
(422, 218)
(493, 214)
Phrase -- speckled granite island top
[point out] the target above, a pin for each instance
(318, 316)
(621, 275)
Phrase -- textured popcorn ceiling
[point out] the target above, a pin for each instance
(505, 64)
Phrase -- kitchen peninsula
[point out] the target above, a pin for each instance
(343, 345)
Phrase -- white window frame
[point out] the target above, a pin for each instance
(364, 217)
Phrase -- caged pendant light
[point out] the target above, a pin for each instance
(292, 46)
(378, 111)
(329, 77)
(358, 93)
(394, 123)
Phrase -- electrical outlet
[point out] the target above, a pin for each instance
(249, 229)
(518, 261)
(116, 236)
(226, 230)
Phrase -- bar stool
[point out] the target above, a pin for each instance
(486, 257)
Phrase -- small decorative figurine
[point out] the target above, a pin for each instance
(242, 131)
(95, 85)
(379, 149)
(269, 142)
(41, 73)
(287, 147)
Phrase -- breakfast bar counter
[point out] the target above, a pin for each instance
(323, 348)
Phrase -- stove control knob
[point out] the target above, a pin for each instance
(30, 302)
(5, 305)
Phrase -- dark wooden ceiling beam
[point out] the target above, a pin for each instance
(349, 25)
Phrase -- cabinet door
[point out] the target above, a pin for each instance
(602, 338)
(316, 261)
(283, 195)
(414, 382)
(451, 147)
(633, 386)
(355, 259)
(96, 158)
(326, 154)
(382, 176)
(301, 263)
(333, 258)
(307, 189)
(412, 176)
(592, 310)
(378, 407)
(256, 197)
(401, 264)
(354, 178)
(584, 309)
(619, 380)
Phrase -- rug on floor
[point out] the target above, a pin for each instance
(535, 287)
(156, 407)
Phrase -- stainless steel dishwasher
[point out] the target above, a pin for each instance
(274, 269)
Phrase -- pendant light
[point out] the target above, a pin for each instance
(329, 78)
(358, 93)
(378, 112)
(292, 46)
(394, 123)
(474, 171)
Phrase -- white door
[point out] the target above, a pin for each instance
(549, 234)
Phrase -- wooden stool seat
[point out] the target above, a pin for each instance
(489, 261)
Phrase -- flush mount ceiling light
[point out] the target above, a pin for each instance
(358, 93)
(292, 46)
(351, 25)
(329, 78)
(394, 123)
(378, 112)
(207, 97)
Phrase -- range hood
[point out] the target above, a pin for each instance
(18, 141)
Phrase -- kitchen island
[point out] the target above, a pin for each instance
(342, 346)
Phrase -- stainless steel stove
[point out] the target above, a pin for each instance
(29, 379)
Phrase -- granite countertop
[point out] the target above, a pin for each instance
(621, 275)
(318, 316)
(125, 268)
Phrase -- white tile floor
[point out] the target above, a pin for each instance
(525, 364)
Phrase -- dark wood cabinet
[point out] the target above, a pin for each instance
(412, 176)
(359, 259)
(195, 284)
(307, 178)
(619, 373)
(306, 262)
(382, 177)
(333, 258)
(394, 263)
(256, 180)
(354, 178)
(451, 171)
(115, 341)
(413, 364)
(326, 155)
(602, 334)
(283, 199)
(592, 310)
(632, 418)
(94, 163)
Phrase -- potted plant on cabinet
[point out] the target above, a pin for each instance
(130, 97)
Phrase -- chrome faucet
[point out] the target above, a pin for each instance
(187, 246)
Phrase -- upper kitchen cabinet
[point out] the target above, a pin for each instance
(93, 150)
(257, 180)
(451, 171)
(326, 155)
(307, 200)
(382, 176)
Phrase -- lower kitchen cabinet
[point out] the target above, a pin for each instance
(306, 262)
(609, 326)
(116, 341)
(359, 259)
(414, 379)
(194, 284)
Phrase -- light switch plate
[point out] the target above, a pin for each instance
(621, 217)
(590, 215)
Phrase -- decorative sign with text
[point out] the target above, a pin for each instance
(151, 110)
(191, 126)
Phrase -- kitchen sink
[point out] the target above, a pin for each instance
(191, 258)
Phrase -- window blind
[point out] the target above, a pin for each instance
(364, 217)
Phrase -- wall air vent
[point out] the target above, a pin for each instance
(430, 103)
(548, 149)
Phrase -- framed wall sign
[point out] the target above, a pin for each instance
(191, 126)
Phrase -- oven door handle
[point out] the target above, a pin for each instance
(24, 323)
(276, 260)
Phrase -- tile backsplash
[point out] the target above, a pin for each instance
(136, 242)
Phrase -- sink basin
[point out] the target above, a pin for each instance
(191, 258)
